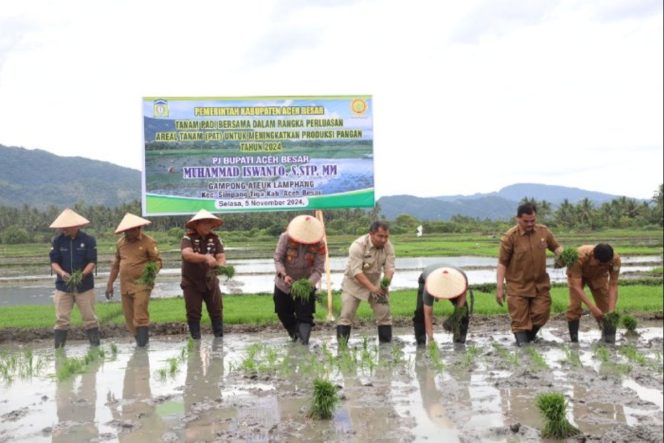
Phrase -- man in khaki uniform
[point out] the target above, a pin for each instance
(522, 263)
(133, 251)
(369, 256)
(73, 252)
(300, 253)
(598, 268)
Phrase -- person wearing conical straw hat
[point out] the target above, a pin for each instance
(300, 254)
(202, 252)
(441, 282)
(137, 261)
(368, 257)
(73, 259)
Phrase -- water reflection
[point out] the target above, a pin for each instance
(135, 416)
(76, 403)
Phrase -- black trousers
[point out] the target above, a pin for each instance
(291, 312)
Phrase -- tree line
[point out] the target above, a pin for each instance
(30, 225)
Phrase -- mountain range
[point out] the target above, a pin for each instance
(39, 179)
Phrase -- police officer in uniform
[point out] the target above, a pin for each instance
(134, 250)
(300, 253)
(73, 250)
(202, 252)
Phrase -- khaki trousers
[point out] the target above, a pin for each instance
(349, 305)
(135, 309)
(64, 303)
(600, 292)
(527, 312)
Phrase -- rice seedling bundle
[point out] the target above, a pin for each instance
(149, 274)
(553, 406)
(629, 323)
(75, 279)
(611, 320)
(324, 401)
(227, 270)
(301, 289)
(568, 257)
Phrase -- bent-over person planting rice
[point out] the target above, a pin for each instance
(299, 260)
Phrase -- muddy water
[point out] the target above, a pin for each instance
(257, 388)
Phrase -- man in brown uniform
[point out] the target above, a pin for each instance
(300, 253)
(598, 267)
(522, 262)
(369, 255)
(133, 251)
(202, 253)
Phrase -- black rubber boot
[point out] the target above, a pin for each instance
(304, 331)
(292, 333)
(608, 332)
(384, 333)
(194, 330)
(460, 335)
(532, 334)
(343, 334)
(60, 337)
(522, 338)
(420, 333)
(218, 328)
(142, 336)
(93, 336)
(573, 326)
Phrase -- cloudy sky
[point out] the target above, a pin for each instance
(468, 96)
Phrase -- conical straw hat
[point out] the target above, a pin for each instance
(130, 221)
(69, 219)
(204, 215)
(305, 229)
(446, 283)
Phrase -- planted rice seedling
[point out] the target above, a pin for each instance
(632, 354)
(511, 357)
(66, 367)
(553, 407)
(538, 359)
(149, 274)
(629, 323)
(325, 399)
(434, 355)
(20, 365)
(301, 289)
(469, 358)
(572, 357)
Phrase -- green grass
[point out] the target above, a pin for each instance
(259, 309)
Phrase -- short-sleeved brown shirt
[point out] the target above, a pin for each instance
(364, 257)
(298, 261)
(131, 258)
(195, 274)
(592, 272)
(524, 256)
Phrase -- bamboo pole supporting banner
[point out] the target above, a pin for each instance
(328, 277)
